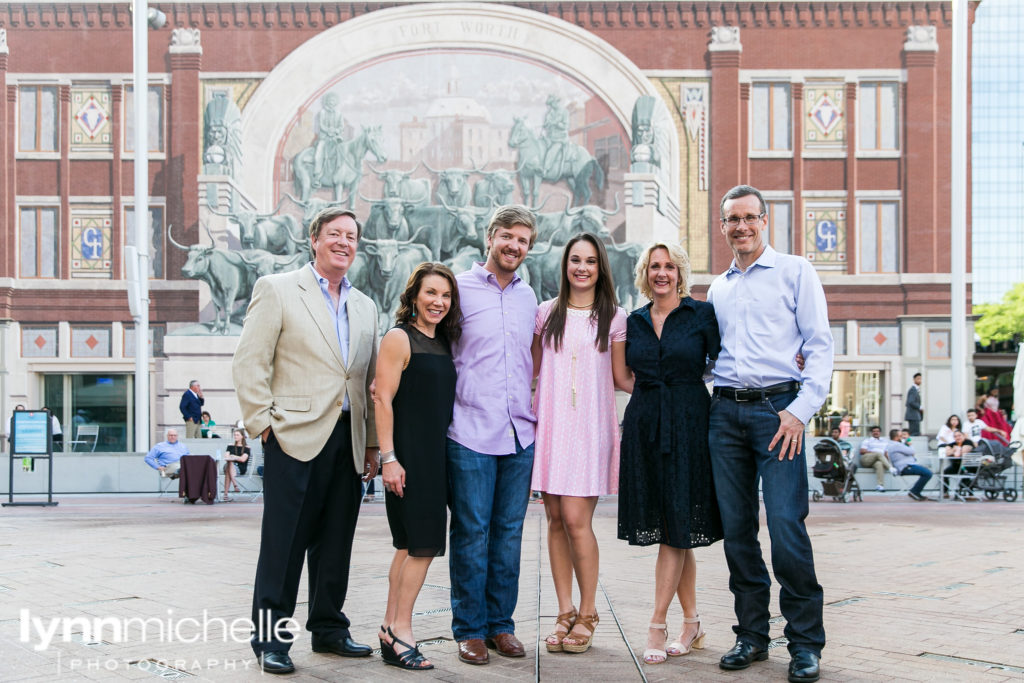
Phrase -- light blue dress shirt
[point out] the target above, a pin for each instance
(339, 315)
(766, 315)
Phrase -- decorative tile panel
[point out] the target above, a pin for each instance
(91, 234)
(156, 341)
(90, 119)
(38, 342)
(938, 344)
(839, 339)
(879, 340)
(825, 234)
(90, 342)
(824, 116)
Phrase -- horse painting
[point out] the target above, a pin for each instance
(343, 169)
(577, 167)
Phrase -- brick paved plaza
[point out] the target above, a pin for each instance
(913, 591)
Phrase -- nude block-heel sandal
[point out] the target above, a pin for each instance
(654, 655)
(679, 648)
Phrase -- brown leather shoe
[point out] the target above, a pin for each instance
(473, 651)
(507, 645)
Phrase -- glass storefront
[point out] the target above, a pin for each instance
(856, 393)
(101, 400)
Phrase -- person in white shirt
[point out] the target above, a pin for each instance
(973, 426)
(945, 435)
(872, 454)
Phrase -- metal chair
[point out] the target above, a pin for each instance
(84, 431)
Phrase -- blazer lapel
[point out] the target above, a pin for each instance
(313, 298)
(356, 324)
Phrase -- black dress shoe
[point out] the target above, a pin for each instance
(741, 656)
(276, 663)
(803, 667)
(343, 647)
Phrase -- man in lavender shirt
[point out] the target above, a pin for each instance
(490, 441)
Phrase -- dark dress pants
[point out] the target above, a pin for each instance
(310, 509)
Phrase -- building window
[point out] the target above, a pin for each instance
(37, 117)
(156, 119)
(780, 226)
(156, 341)
(770, 129)
(39, 341)
(879, 117)
(611, 148)
(40, 244)
(100, 399)
(879, 237)
(156, 237)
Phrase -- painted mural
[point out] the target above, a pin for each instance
(423, 146)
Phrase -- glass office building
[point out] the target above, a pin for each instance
(997, 149)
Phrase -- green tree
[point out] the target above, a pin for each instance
(1002, 321)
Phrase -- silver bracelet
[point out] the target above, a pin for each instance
(384, 457)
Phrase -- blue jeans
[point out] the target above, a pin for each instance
(488, 496)
(739, 434)
(923, 476)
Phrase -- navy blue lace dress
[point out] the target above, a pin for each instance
(666, 493)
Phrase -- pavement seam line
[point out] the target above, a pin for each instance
(536, 644)
(622, 632)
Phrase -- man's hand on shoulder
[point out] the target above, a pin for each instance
(791, 433)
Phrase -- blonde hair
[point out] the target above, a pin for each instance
(677, 255)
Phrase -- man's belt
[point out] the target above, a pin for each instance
(757, 394)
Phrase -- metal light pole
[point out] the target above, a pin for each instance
(958, 349)
(137, 256)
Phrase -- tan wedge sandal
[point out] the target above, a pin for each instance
(576, 643)
(566, 620)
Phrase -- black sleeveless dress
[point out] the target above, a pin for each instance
(422, 412)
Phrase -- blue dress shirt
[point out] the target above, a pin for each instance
(766, 315)
(339, 315)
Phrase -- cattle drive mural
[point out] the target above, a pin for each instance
(424, 172)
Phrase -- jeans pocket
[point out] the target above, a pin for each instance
(767, 404)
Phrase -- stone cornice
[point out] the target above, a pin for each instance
(589, 15)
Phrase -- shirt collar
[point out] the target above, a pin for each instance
(685, 302)
(345, 284)
(487, 276)
(767, 259)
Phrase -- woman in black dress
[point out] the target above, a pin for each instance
(414, 398)
(237, 455)
(666, 494)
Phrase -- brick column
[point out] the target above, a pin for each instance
(920, 53)
(8, 245)
(117, 183)
(852, 213)
(64, 179)
(726, 131)
(182, 191)
(796, 237)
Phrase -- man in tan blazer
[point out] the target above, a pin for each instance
(304, 362)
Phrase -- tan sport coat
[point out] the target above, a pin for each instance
(288, 370)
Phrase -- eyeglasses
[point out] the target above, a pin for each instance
(734, 221)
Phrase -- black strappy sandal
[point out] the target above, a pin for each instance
(411, 659)
(386, 649)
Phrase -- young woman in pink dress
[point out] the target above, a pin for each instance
(579, 352)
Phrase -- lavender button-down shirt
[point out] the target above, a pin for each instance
(494, 365)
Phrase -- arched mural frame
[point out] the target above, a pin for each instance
(529, 35)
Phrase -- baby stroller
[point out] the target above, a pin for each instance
(836, 472)
(993, 460)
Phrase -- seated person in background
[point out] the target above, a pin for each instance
(960, 447)
(844, 446)
(904, 462)
(996, 427)
(205, 423)
(873, 454)
(973, 427)
(164, 456)
(237, 455)
(945, 435)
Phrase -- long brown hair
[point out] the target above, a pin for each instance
(603, 309)
(451, 325)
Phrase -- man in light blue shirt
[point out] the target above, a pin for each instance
(164, 456)
(769, 306)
